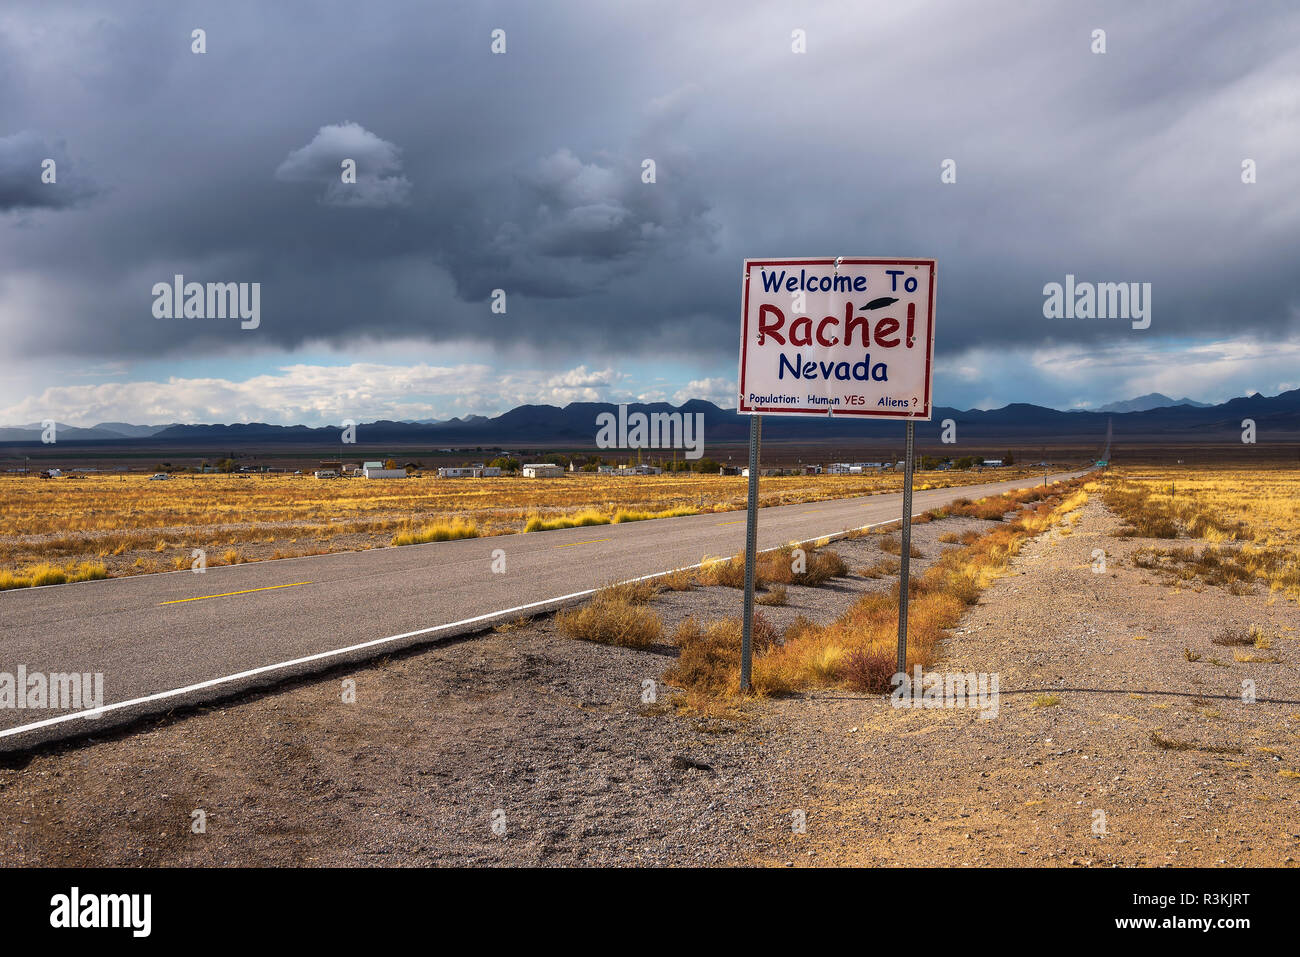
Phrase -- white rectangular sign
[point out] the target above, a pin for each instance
(837, 336)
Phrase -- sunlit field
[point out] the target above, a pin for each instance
(132, 525)
(1243, 523)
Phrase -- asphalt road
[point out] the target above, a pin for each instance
(176, 639)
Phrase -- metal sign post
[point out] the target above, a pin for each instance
(751, 553)
(842, 336)
(905, 553)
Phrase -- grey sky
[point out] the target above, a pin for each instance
(522, 171)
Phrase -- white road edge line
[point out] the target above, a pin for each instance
(93, 713)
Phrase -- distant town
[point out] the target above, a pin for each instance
(505, 464)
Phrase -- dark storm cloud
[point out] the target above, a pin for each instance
(29, 181)
(523, 171)
(573, 228)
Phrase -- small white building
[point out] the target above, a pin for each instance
(470, 471)
(383, 473)
(325, 474)
(992, 463)
(542, 470)
(641, 470)
(851, 468)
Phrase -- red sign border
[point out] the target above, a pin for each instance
(922, 416)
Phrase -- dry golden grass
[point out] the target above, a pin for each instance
(893, 545)
(1260, 504)
(609, 618)
(437, 532)
(787, 565)
(681, 580)
(1250, 518)
(581, 519)
(514, 624)
(641, 515)
(992, 508)
(125, 516)
(823, 565)
(709, 658)
(586, 517)
(633, 592)
(858, 650)
(726, 572)
(886, 566)
(1246, 657)
(1174, 744)
(47, 574)
(116, 503)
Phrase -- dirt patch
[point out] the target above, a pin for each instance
(1096, 679)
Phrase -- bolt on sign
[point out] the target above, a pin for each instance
(837, 336)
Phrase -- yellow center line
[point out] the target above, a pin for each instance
(592, 541)
(227, 594)
(736, 522)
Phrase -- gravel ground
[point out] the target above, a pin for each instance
(549, 740)
(886, 786)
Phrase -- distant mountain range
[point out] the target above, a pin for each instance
(116, 431)
(575, 424)
(1152, 400)
(105, 431)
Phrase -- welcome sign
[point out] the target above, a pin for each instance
(837, 336)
